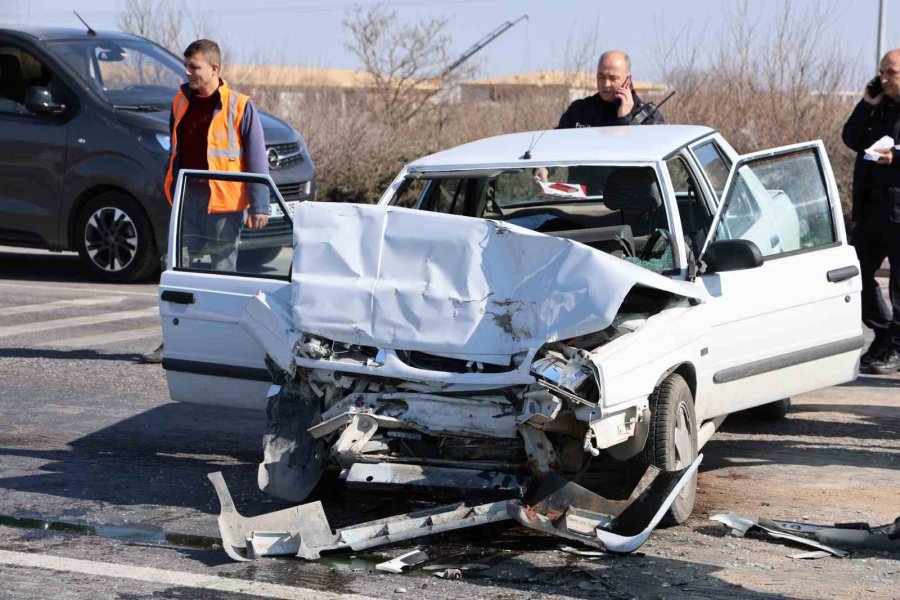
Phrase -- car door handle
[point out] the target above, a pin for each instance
(842, 274)
(177, 297)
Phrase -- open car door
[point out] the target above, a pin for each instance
(791, 325)
(216, 264)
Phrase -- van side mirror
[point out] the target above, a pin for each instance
(40, 101)
(732, 255)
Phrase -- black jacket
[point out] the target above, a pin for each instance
(594, 111)
(866, 125)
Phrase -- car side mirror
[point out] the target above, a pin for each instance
(40, 101)
(732, 255)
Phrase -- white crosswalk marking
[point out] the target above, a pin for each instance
(60, 304)
(100, 319)
(107, 338)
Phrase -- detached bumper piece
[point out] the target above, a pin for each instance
(560, 507)
(835, 539)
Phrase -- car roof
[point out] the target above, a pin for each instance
(588, 144)
(60, 33)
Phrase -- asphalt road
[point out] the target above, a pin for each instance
(103, 489)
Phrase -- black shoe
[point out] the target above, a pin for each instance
(886, 364)
(876, 349)
(153, 358)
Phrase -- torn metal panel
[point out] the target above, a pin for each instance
(267, 318)
(389, 475)
(619, 526)
(404, 561)
(390, 277)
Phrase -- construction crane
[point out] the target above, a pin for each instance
(479, 45)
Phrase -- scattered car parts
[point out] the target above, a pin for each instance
(559, 507)
(835, 539)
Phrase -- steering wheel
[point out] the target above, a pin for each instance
(656, 244)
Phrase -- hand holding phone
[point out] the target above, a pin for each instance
(628, 85)
(873, 90)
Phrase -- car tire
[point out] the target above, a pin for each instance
(293, 461)
(672, 441)
(773, 411)
(114, 239)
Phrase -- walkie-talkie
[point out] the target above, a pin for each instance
(648, 109)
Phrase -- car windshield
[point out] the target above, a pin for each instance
(614, 208)
(131, 73)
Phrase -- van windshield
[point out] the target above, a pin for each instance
(131, 73)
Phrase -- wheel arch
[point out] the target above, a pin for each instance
(687, 371)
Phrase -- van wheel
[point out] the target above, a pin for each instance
(773, 411)
(114, 239)
(672, 441)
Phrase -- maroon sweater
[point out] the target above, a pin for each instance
(193, 131)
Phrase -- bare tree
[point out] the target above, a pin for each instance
(164, 21)
(406, 61)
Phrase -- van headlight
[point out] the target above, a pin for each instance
(164, 140)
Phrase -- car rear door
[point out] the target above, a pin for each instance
(208, 358)
(793, 324)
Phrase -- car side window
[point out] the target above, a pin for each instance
(779, 203)
(19, 70)
(212, 236)
(714, 164)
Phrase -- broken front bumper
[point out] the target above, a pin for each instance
(559, 507)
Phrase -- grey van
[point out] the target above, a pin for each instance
(84, 145)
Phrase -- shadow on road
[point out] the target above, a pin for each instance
(74, 354)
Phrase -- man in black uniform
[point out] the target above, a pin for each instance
(615, 102)
(876, 210)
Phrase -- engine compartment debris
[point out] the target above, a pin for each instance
(558, 507)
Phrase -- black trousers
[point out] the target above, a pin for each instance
(875, 240)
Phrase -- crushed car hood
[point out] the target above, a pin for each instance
(406, 279)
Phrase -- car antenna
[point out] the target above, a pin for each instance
(534, 142)
(90, 30)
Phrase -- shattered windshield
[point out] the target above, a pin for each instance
(130, 73)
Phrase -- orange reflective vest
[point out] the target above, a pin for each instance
(224, 150)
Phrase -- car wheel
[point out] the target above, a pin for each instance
(773, 411)
(293, 461)
(114, 239)
(672, 441)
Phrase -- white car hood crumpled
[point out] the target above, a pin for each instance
(406, 279)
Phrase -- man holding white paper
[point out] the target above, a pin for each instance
(873, 131)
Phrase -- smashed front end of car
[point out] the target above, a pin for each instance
(437, 351)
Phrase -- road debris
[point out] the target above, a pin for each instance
(404, 561)
(452, 574)
(559, 507)
(835, 539)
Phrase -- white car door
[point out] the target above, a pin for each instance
(793, 324)
(208, 358)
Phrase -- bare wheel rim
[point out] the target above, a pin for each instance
(110, 239)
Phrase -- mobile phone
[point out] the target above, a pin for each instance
(627, 85)
(873, 88)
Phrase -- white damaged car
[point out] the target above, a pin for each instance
(524, 305)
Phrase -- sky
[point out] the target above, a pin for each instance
(310, 32)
